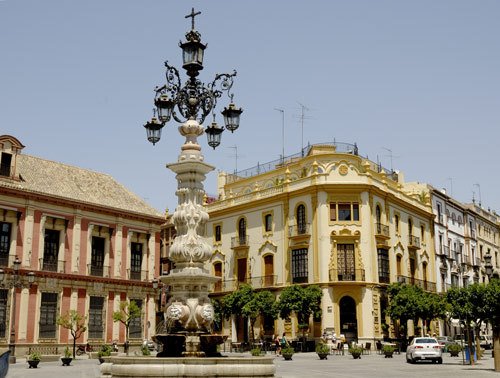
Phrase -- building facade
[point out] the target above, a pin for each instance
(328, 217)
(90, 243)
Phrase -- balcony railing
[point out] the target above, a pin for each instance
(240, 241)
(476, 261)
(414, 241)
(381, 229)
(140, 275)
(98, 270)
(258, 282)
(297, 230)
(446, 250)
(51, 265)
(347, 275)
(426, 285)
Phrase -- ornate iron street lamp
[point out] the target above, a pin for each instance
(194, 100)
(14, 282)
(188, 313)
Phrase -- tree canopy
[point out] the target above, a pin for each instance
(302, 301)
(75, 323)
(126, 314)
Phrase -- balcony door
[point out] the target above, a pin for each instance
(97, 259)
(50, 250)
(345, 262)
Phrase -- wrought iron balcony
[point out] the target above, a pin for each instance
(347, 275)
(239, 241)
(52, 265)
(446, 250)
(425, 285)
(476, 261)
(297, 230)
(98, 270)
(413, 241)
(140, 275)
(381, 230)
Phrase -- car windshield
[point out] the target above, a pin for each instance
(425, 341)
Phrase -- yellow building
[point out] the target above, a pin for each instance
(328, 217)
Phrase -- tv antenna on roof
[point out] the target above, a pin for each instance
(391, 156)
(302, 116)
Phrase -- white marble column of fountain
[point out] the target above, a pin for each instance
(189, 306)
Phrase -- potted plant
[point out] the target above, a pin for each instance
(287, 353)
(355, 351)
(454, 349)
(388, 350)
(256, 352)
(66, 359)
(34, 360)
(323, 351)
(145, 350)
(105, 351)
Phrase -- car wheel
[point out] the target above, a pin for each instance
(440, 361)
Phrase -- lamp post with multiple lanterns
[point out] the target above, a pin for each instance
(15, 281)
(189, 313)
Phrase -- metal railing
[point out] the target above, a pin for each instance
(476, 261)
(51, 265)
(446, 250)
(426, 285)
(413, 241)
(240, 241)
(381, 229)
(140, 275)
(98, 270)
(347, 275)
(296, 230)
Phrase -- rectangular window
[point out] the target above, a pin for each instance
(5, 164)
(383, 265)
(135, 327)
(50, 250)
(344, 211)
(299, 265)
(48, 315)
(97, 260)
(218, 233)
(96, 327)
(345, 262)
(4, 243)
(333, 212)
(136, 261)
(3, 313)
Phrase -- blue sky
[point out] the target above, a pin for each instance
(420, 78)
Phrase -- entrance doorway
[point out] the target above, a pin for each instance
(348, 319)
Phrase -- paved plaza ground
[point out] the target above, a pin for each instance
(303, 365)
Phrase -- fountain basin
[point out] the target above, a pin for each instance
(151, 367)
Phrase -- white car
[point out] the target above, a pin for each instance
(424, 348)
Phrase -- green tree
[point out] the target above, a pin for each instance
(492, 307)
(126, 314)
(232, 304)
(75, 323)
(404, 304)
(432, 306)
(262, 304)
(301, 301)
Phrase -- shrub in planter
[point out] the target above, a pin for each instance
(256, 352)
(66, 359)
(145, 350)
(355, 351)
(34, 360)
(388, 350)
(454, 349)
(287, 353)
(323, 351)
(104, 351)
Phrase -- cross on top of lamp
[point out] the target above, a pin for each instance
(194, 100)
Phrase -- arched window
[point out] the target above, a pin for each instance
(301, 219)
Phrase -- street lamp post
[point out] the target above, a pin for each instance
(14, 282)
(189, 312)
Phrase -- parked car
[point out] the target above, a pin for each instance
(445, 340)
(424, 348)
(485, 341)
